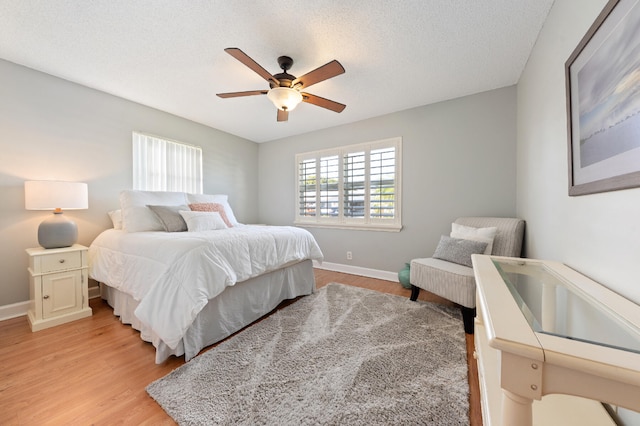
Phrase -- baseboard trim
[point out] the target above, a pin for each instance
(357, 270)
(14, 310)
(94, 292)
(20, 309)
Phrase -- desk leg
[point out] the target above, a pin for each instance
(516, 410)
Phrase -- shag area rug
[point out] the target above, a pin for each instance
(341, 356)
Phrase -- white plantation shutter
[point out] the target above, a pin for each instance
(356, 186)
(354, 179)
(329, 192)
(382, 183)
(307, 193)
(164, 165)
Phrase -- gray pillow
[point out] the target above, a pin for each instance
(171, 220)
(457, 250)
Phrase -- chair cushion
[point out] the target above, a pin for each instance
(446, 279)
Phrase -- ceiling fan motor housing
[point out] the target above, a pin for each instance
(284, 78)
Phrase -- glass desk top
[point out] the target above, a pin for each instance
(555, 307)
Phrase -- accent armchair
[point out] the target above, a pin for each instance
(454, 280)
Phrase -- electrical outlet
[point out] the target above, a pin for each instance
(349, 255)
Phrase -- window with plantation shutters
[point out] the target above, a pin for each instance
(355, 186)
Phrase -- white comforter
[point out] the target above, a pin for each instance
(174, 274)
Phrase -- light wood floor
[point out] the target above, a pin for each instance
(94, 370)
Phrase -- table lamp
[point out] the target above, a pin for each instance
(56, 231)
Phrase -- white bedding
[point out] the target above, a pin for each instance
(173, 275)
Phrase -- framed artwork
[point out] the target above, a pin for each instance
(603, 103)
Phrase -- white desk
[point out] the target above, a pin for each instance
(555, 332)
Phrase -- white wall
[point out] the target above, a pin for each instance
(53, 129)
(598, 234)
(458, 160)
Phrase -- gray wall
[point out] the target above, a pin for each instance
(458, 159)
(598, 234)
(53, 129)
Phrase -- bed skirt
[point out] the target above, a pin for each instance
(236, 307)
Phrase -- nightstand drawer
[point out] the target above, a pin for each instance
(60, 261)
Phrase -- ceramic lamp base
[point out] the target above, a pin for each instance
(57, 232)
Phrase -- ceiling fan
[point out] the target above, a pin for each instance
(285, 89)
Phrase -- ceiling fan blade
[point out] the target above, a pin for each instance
(283, 115)
(238, 94)
(322, 102)
(322, 73)
(253, 65)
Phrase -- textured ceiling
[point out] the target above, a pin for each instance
(168, 54)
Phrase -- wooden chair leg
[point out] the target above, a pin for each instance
(415, 291)
(468, 315)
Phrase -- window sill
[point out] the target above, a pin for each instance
(350, 226)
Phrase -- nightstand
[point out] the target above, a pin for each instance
(58, 286)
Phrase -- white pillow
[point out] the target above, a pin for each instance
(137, 217)
(202, 221)
(219, 198)
(485, 235)
(116, 218)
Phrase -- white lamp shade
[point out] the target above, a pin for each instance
(51, 195)
(284, 98)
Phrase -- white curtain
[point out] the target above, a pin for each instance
(163, 165)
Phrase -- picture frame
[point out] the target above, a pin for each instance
(603, 103)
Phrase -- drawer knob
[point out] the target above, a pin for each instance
(45, 297)
(61, 260)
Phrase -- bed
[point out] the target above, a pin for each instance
(185, 290)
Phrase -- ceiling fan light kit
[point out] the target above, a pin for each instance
(285, 89)
(284, 98)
